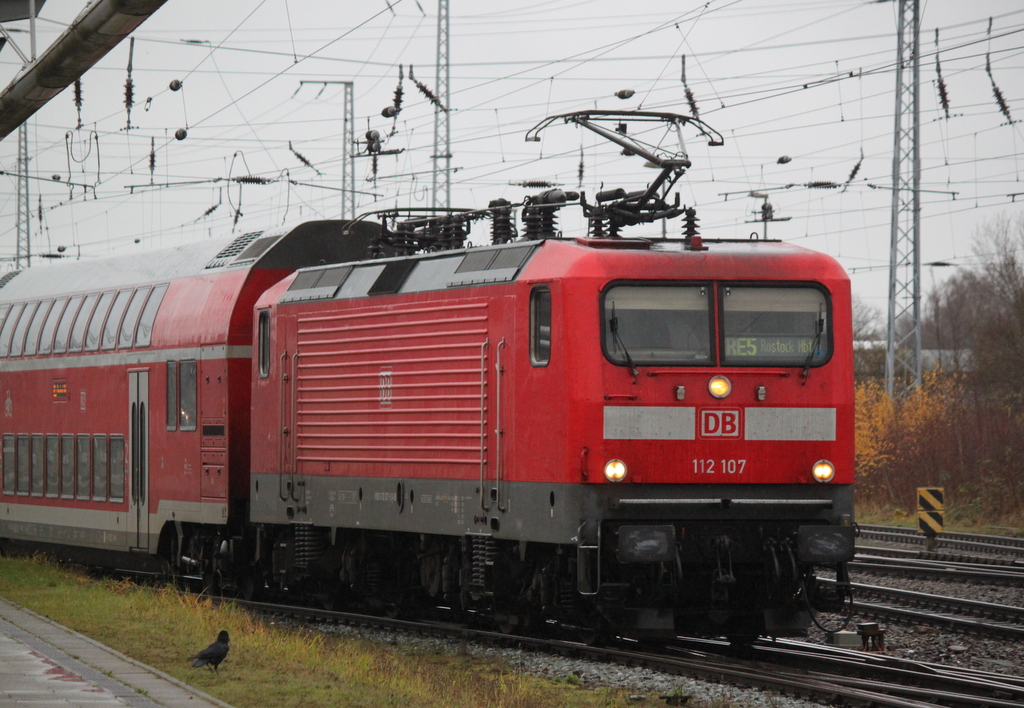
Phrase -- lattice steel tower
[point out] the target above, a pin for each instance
(348, 163)
(903, 345)
(442, 129)
(23, 258)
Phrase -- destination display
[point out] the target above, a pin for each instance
(769, 347)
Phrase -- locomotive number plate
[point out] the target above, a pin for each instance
(723, 466)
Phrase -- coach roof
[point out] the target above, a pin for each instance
(285, 248)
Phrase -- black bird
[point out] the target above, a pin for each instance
(213, 654)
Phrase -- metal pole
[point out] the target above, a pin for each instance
(348, 140)
(442, 128)
(903, 349)
(348, 164)
(23, 256)
(23, 252)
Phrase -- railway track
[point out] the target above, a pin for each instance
(978, 543)
(893, 561)
(968, 609)
(933, 684)
(792, 668)
(958, 558)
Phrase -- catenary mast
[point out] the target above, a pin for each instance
(442, 128)
(903, 344)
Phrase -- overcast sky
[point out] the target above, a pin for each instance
(810, 79)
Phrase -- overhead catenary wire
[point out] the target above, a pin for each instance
(498, 159)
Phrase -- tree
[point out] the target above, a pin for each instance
(868, 342)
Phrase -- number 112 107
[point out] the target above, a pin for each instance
(725, 466)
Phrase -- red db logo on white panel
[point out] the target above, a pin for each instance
(720, 422)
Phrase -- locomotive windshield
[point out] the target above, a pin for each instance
(759, 325)
(658, 324)
(774, 326)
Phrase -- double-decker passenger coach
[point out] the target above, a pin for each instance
(126, 393)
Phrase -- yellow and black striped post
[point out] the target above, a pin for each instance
(930, 508)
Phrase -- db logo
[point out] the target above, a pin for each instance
(720, 422)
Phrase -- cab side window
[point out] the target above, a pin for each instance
(540, 326)
(263, 343)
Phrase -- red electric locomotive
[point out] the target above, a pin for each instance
(618, 435)
(640, 435)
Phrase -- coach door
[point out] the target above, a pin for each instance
(138, 456)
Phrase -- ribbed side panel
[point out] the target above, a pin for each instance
(394, 385)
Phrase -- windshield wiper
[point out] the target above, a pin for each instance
(613, 323)
(819, 328)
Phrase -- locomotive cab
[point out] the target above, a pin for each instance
(707, 415)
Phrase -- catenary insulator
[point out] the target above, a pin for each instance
(502, 230)
(690, 223)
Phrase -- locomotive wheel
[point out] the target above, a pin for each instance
(508, 624)
(326, 595)
(211, 583)
(252, 586)
(591, 636)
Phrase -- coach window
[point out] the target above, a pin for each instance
(99, 467)
(10, 465)
(32, 338)
(9, 324)
(145, 332)
(131, 318)
(172, 395)
(18, 341)
(67, 467)
(52, 465)
(540, 326)
(84, 466)
(4, 309)
(60, 338)
(263, 342)
(114, 320)
(116, 468)
(24, 464)
(82, 322)
(46, 336)
(775, 326)
(38, 465)
(187, 388)
(99, 316)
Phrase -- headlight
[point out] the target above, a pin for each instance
(719, 387)
(823, 471)
(615, 470)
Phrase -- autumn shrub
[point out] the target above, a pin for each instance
(945, 433)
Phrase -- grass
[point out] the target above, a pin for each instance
(272, 665)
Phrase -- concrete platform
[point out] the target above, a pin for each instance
(44, 664)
